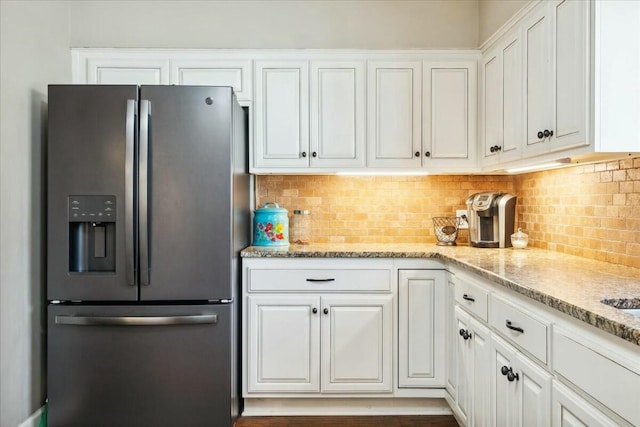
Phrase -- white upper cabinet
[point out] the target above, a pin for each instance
(123, 71)
(394, 93)
(449, 106)
(281, 132)
(337, 114)
(214, 72)
(501, 107)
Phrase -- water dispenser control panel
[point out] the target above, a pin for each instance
(92, 208)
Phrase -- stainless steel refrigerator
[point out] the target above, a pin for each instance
(147, 211)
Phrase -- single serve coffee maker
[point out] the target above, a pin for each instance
(491, 218)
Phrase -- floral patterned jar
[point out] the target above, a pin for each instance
(271, 226)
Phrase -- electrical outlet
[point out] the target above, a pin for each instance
(462, 213)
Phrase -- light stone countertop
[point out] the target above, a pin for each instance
(570, 284)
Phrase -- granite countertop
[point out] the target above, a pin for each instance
(570, 284)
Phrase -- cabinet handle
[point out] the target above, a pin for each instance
(511, 376)
(514, 328)
(540, 134)
(427, 154)
(304, 154)
(417, 154)
(314, 154)
(314, 311)
(492, 149)
(505, 370)
(320, 280)
(325, 311)
(465, 334)
(468, 298)
(547, 133)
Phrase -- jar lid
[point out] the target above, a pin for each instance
(519, 234)
(301, 212)
(271, 207)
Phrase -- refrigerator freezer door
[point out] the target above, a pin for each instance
(188, 169)
(90, 163)
(140, 366)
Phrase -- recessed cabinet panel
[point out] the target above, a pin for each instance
(448, 113)
(109, 71)
(236, 74)
(281, 114)
(337, 114)
(570, 410)
(512, 135)
(394, 93)
(535, 396)
(464, 350)
(492, 105)
(537, 78)
(283, 343)
(571, 50)
(356, 344)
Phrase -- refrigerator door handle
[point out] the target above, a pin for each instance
(132, 107)
(136, 320)
(145, 112)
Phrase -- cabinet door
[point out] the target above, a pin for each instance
(512, 96)
(203, 72)
(420, 328)
(451, 340)
(570, 410)
(125, 71)
(504, 391)
(394, 91)
(281, 114)
(571, 65)
(337, 114)
(449, 106)
(534, 394)
(357, 343)
(481, 343)
(537, 78)
(465, 366)
(283, 343)
(492, 110)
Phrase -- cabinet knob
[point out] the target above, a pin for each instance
(325, 311)
(504, 370)
(498, 147)
(417, 154)
(511, 376)
(465, 334)
(314, 311)
(540, 134)
(314, 154)
(427, 154)
(547, 133)
(304, 154)
(492, 149)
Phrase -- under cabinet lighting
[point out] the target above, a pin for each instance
(550, 165)
(381, 173)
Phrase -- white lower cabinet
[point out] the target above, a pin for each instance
(473, 380)
(570, 410)
(420, 328)
(520, 390)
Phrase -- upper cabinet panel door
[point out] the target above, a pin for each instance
(234, 73)
(492, 117)
(571, 58)
(512, 96)
(124, 71)
(337, 114)
(281, 114)
(449, 112)
(538, 79)
(394, 91)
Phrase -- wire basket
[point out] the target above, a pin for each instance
(446, 230)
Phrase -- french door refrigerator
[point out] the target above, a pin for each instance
(147, 211)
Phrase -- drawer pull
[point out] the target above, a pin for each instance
(514, 328)
(320, 280)
(468, 298)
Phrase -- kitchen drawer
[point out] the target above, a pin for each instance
(471, 296)
(520, 328)
(607, 381)
(319, 279)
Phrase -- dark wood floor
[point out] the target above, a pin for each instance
(374, 421)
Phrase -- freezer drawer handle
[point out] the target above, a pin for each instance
(136, 320)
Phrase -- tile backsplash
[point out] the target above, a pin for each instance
(588, 210)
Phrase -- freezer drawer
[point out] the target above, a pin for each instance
(141, 366)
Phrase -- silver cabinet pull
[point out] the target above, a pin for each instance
(143, 191)
(136, 320)
(132, 107)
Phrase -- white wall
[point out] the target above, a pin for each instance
(34, 51)
(276, 24)
(494, 13)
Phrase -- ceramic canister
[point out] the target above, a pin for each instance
(271, 226)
